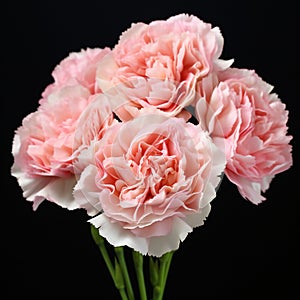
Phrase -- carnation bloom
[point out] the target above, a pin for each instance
(149, 181)
(48, 141)
(174, 53)
(77, 68)
(139, 95)
(249, 123)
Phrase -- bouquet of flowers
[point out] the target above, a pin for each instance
(140, 135)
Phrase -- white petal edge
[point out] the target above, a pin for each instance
(54, 189)
(117, 236)
(86, 193)
(155, 246)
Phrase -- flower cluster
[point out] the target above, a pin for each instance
(140, 135)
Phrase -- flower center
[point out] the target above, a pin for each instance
(154, 164)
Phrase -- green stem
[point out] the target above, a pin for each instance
(100, 242)
(123, 294)
(138, 264)
(121, 258)
(166, 272)
(119, 280)
(164, 266)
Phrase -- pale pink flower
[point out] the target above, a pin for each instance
(77, 68)
(249, 123)
(48, 141)
(175, 53)
(140, 95)
(151, 181)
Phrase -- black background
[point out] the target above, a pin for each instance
(243, 251)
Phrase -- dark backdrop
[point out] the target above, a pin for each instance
(242, 252)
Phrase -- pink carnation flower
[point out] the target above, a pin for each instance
(152, 180)
(249, 122)
(139, 96)
(49, 140)
(77, 68)
(174, 53)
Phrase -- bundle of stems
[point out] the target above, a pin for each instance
(119, 271)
